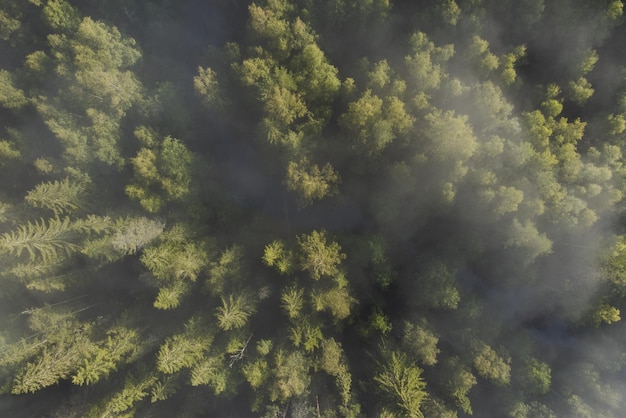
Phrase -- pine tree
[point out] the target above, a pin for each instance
(210, 371)
(61, 197)
(185, 349)
(40, 239)
(403, 383)
(234, 312)
(135, 389)
(292, 301)
(319, 258)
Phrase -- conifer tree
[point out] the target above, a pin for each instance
(403, 383)
(61, 197)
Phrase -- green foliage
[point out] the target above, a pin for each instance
(605, 314)
(380, 322)
(60, 15)
(337, 301)
(478, 53)
(120, 342)
(306, 335)
(9, 24)
(319, 258)
(450, 12)
(170, 296)
(471, 178)
(374, 122)
(310, 181)
(61, 197)
(8, 152)
(162, 391)
(172, 261)
(10, 96)
(276, 255)
(531, 410)
(460, 381)
(615, 9)
(206, 85)
(402, 381)
(292, 301)
(256, 373)
(332, 357)
(580, 90)
(536, 377)
(92, 60)
(184, 350)
(425, 62)
(422, 342)
(179, 352)
(490, 365)
(439, 286)
(526, 238)
(226, 270)
(291, 375)
(450, 137)
(234, 312)
(210, 371)
(135, 389)
(40, 239)
(166, 168)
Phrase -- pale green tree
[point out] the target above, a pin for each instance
(319, 257)
(61, 197)
(310, 181)
(421, 342)
(403, 383)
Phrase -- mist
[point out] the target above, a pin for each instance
(288, 208)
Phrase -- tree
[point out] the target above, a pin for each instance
(450, 137)
(460, 381)
(61, 197)
(319, 258)
(10, 96)
(292, 301)
(291, 375)
(60, 15)
(162, 173)
(234, 312)
(402, 382)
(93, 61)
(478, 54)
(185, 349)
(40, 239)
(580, 90)
(526, 238)
(374, 122)
(207, 87)
(536, 376)
(424, 63)
(136, 387)
(490, 365)
(210, 371)
(135, 234)
(422, 342)
(120, 344)
(531, 410)
(310, 181)
(336, 300)
(276, 255)
(439, 287)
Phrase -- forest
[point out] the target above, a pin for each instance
(312, 208)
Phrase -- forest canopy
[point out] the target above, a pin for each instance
(298, 208)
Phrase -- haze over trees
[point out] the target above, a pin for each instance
(298, 208)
